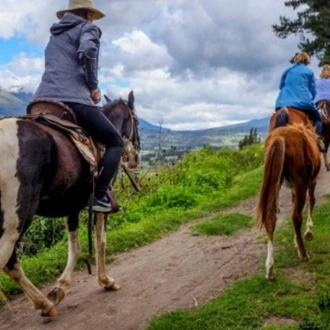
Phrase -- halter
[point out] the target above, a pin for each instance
(134, 130)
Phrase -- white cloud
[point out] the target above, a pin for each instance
(191, 63)
(22, 72)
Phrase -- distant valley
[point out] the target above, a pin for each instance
(155, 138)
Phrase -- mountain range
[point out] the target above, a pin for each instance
(14, 104)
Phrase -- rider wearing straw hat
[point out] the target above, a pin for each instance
(71, 64)
(81, 4)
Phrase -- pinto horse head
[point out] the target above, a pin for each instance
(122, 115)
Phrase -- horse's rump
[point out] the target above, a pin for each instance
(288, 116)
(49, 161)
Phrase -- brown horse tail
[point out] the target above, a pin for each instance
(282, 118)
(273, 169)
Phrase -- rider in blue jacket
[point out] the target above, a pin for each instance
(297, 90)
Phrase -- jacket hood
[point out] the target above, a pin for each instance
(66, 23)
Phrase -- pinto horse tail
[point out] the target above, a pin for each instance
(272, 179)
(282, 118)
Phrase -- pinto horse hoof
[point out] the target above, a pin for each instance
(50, 313)
(113, 287)
(56, 295)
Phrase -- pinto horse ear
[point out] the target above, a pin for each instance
(131, 100)
(107, 99)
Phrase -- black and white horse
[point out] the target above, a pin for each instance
(42, 172)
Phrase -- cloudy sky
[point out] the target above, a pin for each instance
(192, 64)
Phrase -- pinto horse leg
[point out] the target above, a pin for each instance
(14, 270)
(58, 293)
(310, 206)
(100, 243)
(297, 217)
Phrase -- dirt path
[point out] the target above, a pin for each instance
(179, 271)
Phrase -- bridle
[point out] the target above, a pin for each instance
(324, 108)
(132, 140)
(134, 134)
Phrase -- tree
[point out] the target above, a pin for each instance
(312, 25)
(251, 138)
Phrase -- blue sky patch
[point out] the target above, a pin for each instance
(14, 46)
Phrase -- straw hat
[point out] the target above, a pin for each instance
(81, 4)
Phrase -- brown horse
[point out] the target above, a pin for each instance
(42, 172)
(324, 109)
(291, 156)
(287, 116)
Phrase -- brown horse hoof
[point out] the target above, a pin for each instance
(309, 236)
(56, 295)
(50, 313)
(270, 277)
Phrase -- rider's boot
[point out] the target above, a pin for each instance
(321, 145)
(101, 201)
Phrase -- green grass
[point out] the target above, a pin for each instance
(223, 224)
(303, 297)
(153, 223)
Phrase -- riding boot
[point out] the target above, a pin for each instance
(318, 130)
(101, 202)
(321, 145)
(108, 167)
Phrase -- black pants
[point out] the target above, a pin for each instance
(96, 124)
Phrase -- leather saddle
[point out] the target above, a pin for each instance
(51, 107)
(60, 117)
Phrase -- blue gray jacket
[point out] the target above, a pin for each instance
(297, 88)
(71, 61)
(322, 90)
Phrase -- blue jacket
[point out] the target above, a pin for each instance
(322, 90)
(71, 61)
(297, 88)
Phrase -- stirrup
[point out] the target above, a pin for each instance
(321, 145)
(115, 207)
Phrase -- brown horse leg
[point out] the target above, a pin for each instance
(325, 155)
(58, 293)
(100, 243)
(270, 274)
(297, 217)
(15, 272)
(310, 206)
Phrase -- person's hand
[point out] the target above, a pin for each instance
(96, 96)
